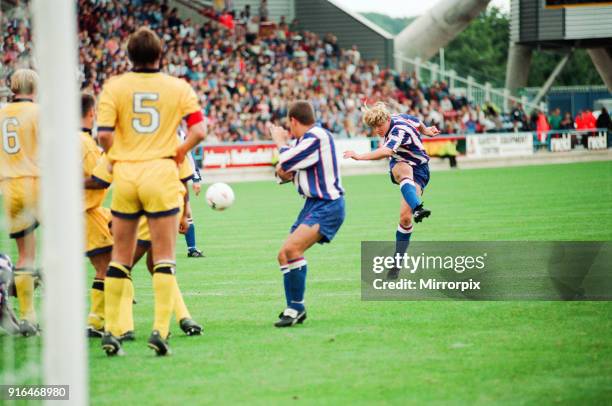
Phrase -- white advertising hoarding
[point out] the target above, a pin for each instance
(499, 145)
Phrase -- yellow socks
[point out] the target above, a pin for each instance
(180, 309)
(115, 286)
(96, 311)
(126, 316)
(164, 288)
(24, 284)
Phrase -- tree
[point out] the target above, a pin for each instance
(481, 51)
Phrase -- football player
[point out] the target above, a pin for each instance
(19, 182)
(99, 241)
(311, 164)
(102, 178)
(408, 166)
(138, 116)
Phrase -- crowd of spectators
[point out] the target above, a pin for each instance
(246, 74)
(544, 125)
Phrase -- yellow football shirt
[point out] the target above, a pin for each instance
(102, 173)
(144, 110)
(91, 155)
(19, 132)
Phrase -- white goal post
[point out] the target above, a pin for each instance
(64, 340)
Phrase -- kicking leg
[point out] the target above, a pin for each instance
(411, 191)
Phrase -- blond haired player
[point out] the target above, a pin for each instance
(408, 165)
(99, 241)
(19, 184)
(102, 178)
(138, 116)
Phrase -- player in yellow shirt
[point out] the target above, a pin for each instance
(19, 184)
(99, 241)
(138, 116)
(102, 178)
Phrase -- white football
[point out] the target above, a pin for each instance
(219, 196)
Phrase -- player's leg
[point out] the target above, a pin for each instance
(190, 235)
(126, 208)
(141, 250)
(20, 201)
(402, 234)
(99, 243)
(404, 176)
(95, 319)
(118, 283)
(159, 191)
(163, 238)
(294, 267)
(24, 283)
(181, 312)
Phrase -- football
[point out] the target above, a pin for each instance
(219, 196)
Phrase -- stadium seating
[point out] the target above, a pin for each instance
(246, 81)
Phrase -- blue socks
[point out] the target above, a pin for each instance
(402, 238)
(408, 188)
(190, 237)
(294, 281)
(286, 283)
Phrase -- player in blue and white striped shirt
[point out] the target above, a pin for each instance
(311, 164)
(190, 233)
(408, 165)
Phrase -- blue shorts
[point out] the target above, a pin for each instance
(419, 172)
(328, 214)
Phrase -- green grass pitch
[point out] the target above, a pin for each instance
(381, 352)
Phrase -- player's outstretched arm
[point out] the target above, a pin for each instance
(195, 134)
(429, 131)
(380, 153)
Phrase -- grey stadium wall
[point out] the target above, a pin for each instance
(323, 16)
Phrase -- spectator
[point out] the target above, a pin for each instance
(579, 121)
(519, 119)
(542, 127)
(555, 119)
(173, 20)
(603, 121)
(567, 123)
(263, 10)
(589, 119)
(446, 104)
(252, 29)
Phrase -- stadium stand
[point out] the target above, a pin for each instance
(246, 71)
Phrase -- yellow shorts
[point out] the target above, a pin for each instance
(144, 235)
(99, 238)
(20, 197)
(147, 188)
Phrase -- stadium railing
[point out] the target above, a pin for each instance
(475, 92)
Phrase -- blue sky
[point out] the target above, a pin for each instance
(402, 8)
